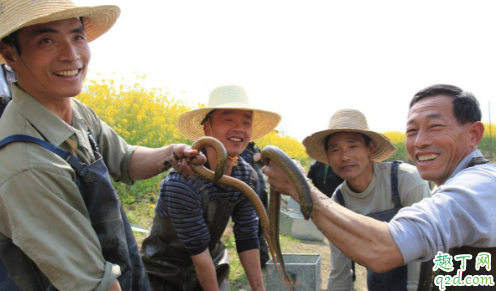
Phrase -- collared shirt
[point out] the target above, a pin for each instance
(459, 213)
(375, 198)
(41, 208)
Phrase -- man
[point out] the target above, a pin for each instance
(252, 155)
(324, 178)
(7, 77)
(443, 131)
(61, 224)
(373, 188)
(184, 251)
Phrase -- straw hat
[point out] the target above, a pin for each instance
(227, 97)
(16, 14)
(348, 120)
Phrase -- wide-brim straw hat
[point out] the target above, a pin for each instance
(348, 120)
(16, 14)
(227, 97)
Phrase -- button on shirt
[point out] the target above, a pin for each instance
(41, 209)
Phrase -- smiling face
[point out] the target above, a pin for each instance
(232, 128)
(349, 157)
(53, 59)
(435, 140)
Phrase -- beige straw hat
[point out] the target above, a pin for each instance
(16, 14)
(348, 120)
(227, 97)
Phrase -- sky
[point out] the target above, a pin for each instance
(305, 59)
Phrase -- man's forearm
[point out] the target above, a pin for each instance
(251, 263)
(146, 162)
(363, 239)
(205, 270)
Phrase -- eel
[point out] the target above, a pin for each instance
(273, 153)
(270, 227)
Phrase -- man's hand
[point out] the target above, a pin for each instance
(147, 162)
(180, 157)
(280, 181)
(116, 286)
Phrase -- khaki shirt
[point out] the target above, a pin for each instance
(41, 208)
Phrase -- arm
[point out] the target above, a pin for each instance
(251, 263)
(146, 162)
(128, 163)
(205, 270)
(363, 239)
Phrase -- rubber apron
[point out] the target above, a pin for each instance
(395, 279)
(107, 217)
(168, 263)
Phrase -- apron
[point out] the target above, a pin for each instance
(395, 279)
(107, 218)
(168, 263)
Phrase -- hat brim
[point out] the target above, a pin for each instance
(96, 20)
(315, 148)
(189, 123)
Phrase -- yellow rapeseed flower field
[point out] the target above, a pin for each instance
(148, 118)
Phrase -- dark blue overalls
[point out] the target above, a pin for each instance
(19, 273)
(395, 279)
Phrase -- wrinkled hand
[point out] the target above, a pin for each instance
(280, 181)
(182, 155)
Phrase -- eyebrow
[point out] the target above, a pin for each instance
(231, 112)
(430, 116)
(79, 29)
(347, 141)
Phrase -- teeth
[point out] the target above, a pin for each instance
(67, 73)
(235, 139)
(428, 157)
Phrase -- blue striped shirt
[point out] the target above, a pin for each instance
(181, 200)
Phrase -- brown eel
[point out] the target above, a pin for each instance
(271, 229)
(273, 153)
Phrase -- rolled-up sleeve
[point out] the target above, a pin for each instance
(47, 219)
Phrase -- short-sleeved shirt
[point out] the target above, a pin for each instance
(41, 208)
(459, 213)
(377, 197)
(181, 200)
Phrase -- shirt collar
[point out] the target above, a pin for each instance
(463, 164)
(52, 127)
